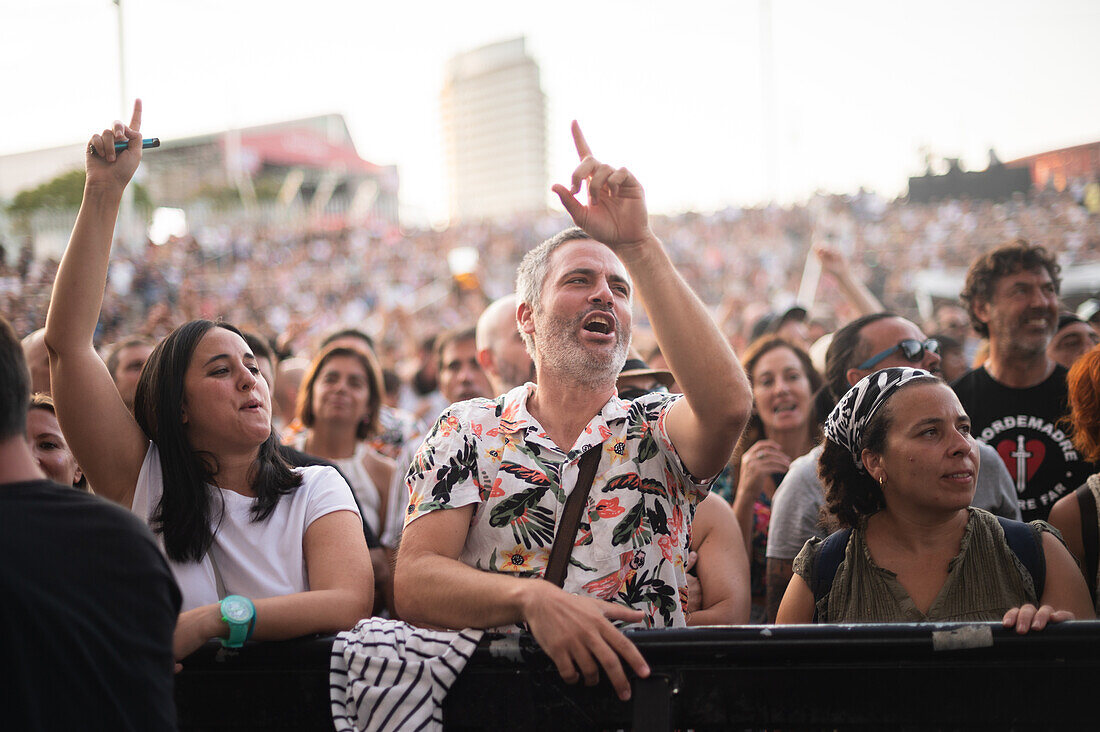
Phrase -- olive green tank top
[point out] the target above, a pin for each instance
(984, 580)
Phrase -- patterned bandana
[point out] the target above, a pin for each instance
(845, 424)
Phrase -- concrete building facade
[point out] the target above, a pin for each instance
(494, 131)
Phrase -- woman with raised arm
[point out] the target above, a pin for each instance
(899, 465)
(781, 428)
(259, 549)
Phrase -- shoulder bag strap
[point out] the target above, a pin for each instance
(1086, 503)
(222, 594)
(829, 556)
(571, 517)
(1027, 544)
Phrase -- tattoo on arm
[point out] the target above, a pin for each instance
(778, 575)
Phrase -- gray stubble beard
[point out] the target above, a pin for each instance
(565, 354)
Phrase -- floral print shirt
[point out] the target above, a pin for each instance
(633, 535)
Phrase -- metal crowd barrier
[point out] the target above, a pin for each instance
(945, 676)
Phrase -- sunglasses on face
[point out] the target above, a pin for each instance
(911, 349)
(631, 393)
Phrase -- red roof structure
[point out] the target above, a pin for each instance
(298, 146)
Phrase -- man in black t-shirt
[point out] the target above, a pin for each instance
(1015, 401)
(89, 604)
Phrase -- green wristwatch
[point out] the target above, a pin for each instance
(240, 614)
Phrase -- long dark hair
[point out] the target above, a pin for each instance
(15, 384)
(185, 512)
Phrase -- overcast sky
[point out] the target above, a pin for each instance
(858, 86)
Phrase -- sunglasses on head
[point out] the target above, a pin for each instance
(912, 349)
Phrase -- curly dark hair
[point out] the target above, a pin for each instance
(850, 494)
(981, 278)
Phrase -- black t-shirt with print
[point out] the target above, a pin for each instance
(87, 616)
(1024, 426)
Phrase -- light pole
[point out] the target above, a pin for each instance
(121, 59)
(124, 227)
(767, 99)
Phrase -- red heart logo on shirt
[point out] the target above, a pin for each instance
(1034, 452)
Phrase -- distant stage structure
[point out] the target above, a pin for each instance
(1053, 169)
(302, 172)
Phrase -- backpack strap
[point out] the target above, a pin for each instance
(829, 556)
(1086, 503)
(1027, 545)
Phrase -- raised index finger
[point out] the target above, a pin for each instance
(135, 120)
(578, 139)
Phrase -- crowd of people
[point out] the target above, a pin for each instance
(396, 282)
(307, 453)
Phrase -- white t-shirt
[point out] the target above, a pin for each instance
(256, 559)
(370, 500)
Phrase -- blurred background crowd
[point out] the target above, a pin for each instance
(295, 285)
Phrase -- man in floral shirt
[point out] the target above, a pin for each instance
(490, 482)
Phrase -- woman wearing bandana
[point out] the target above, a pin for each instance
(899, 465)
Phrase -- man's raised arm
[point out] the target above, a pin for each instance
(705, 425)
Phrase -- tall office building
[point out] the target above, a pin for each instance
(494, 131)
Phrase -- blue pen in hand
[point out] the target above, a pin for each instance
(147, 143)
